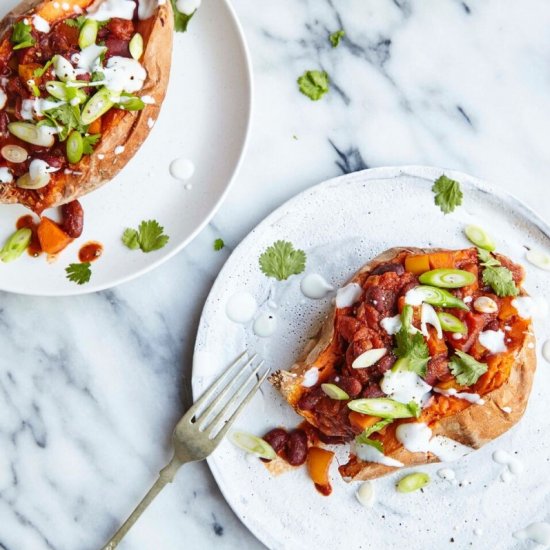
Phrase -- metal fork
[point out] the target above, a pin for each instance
(203, 427)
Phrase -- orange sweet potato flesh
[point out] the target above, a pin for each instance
(439, 260)
(52, 238)
(53, 10)
(362, 421)
(318, 463)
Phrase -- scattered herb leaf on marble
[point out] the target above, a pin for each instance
(79, 273)
(448, 194)
(181, 20)
(149, 236)
(335, 37)
(281, 260)
(314, 84)
(466, 369)
(218, 244)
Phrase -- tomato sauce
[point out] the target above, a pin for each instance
(90, 252)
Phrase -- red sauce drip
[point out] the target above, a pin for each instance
(90, 252)
(325, 490)
(29, 222)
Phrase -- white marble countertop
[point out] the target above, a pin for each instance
(92, 386)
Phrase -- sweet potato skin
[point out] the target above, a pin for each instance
(473, 425)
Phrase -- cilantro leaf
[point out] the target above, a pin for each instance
(376, 427)
(66, 118)
(181, 20)
(498, 277)
(447, 194)
(335, 37)
(410, 345)
(466, 369)
(372, 442)
(89, 142)
(79, 273)
(39, 73)
(149, 236)
(76, 22)
(130, 238)
(314, 84)
(218, 244)
(21, 36)
(281, 261)
(501, 280)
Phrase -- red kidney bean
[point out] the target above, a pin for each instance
(372, 390)
(277, 438)
(296, 448)
(308, 401)
(73, 219)
(437, 369)
(384, 268)
(350, 385)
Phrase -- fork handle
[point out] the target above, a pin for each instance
(166, 476)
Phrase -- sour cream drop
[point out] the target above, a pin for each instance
(447, 474)
(188, 6)
(506, 459)
(365, 494)
(182, 169)
(414, 297)
(311, 377)
(241, 307)
(124, 75)
(414, 436)
(392, 325)
(368, 453)
(3, 99)
(147, 8)
(5, 175)
(493, 340)
(404, 386)
(452, 392)
(315, 287)
(528, 308)
(265, 325)
(40, 24)
(88, 60)
(102, 10)
(348, 295)
(447, 449)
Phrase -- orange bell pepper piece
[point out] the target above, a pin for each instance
(439, 260)
(362, 421)
(417, 264)
(52, 238)
(318, 464)
(95, 126)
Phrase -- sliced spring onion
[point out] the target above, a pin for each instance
(253, 444)
(412, 482)
(14, 153)
(447, 278)
(75, 147)
(382, 407)
(97, 106)
(26, 182)
(136, 46)
(31, 134)
(368, 358)
(539, 259)
(429, 317)
(450, 323)
(334, 392)
(16, 245)
(88, 33)
(439, 297)
(484, 304)
(131, 103)
(63, 69)
(56, 89)
(478, 236)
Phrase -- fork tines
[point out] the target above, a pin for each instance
(219, 405)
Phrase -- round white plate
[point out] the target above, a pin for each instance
(205, 118)
(341, 224)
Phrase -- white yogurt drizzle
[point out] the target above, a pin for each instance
(446, 474)
(188, 7)
(265, 325)
(102, 10)
(452, 392)
(368, 453)
(3, 99)
(392, 325)
(414, 297)
(315, 287)
(182, 169)
(348, 295)
(40, 24)
(5, 175)
(241, 307)
(493, 340)
(538, 532)
(404, 386)
(32, 108)
(311, 377)
(506, 459)
(528, 308)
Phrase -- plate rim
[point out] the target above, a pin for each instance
(249, 84)
(383, 172)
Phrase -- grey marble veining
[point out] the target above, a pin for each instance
(91, 386)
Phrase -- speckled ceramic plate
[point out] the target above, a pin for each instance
(205, 118)
(341, 224)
